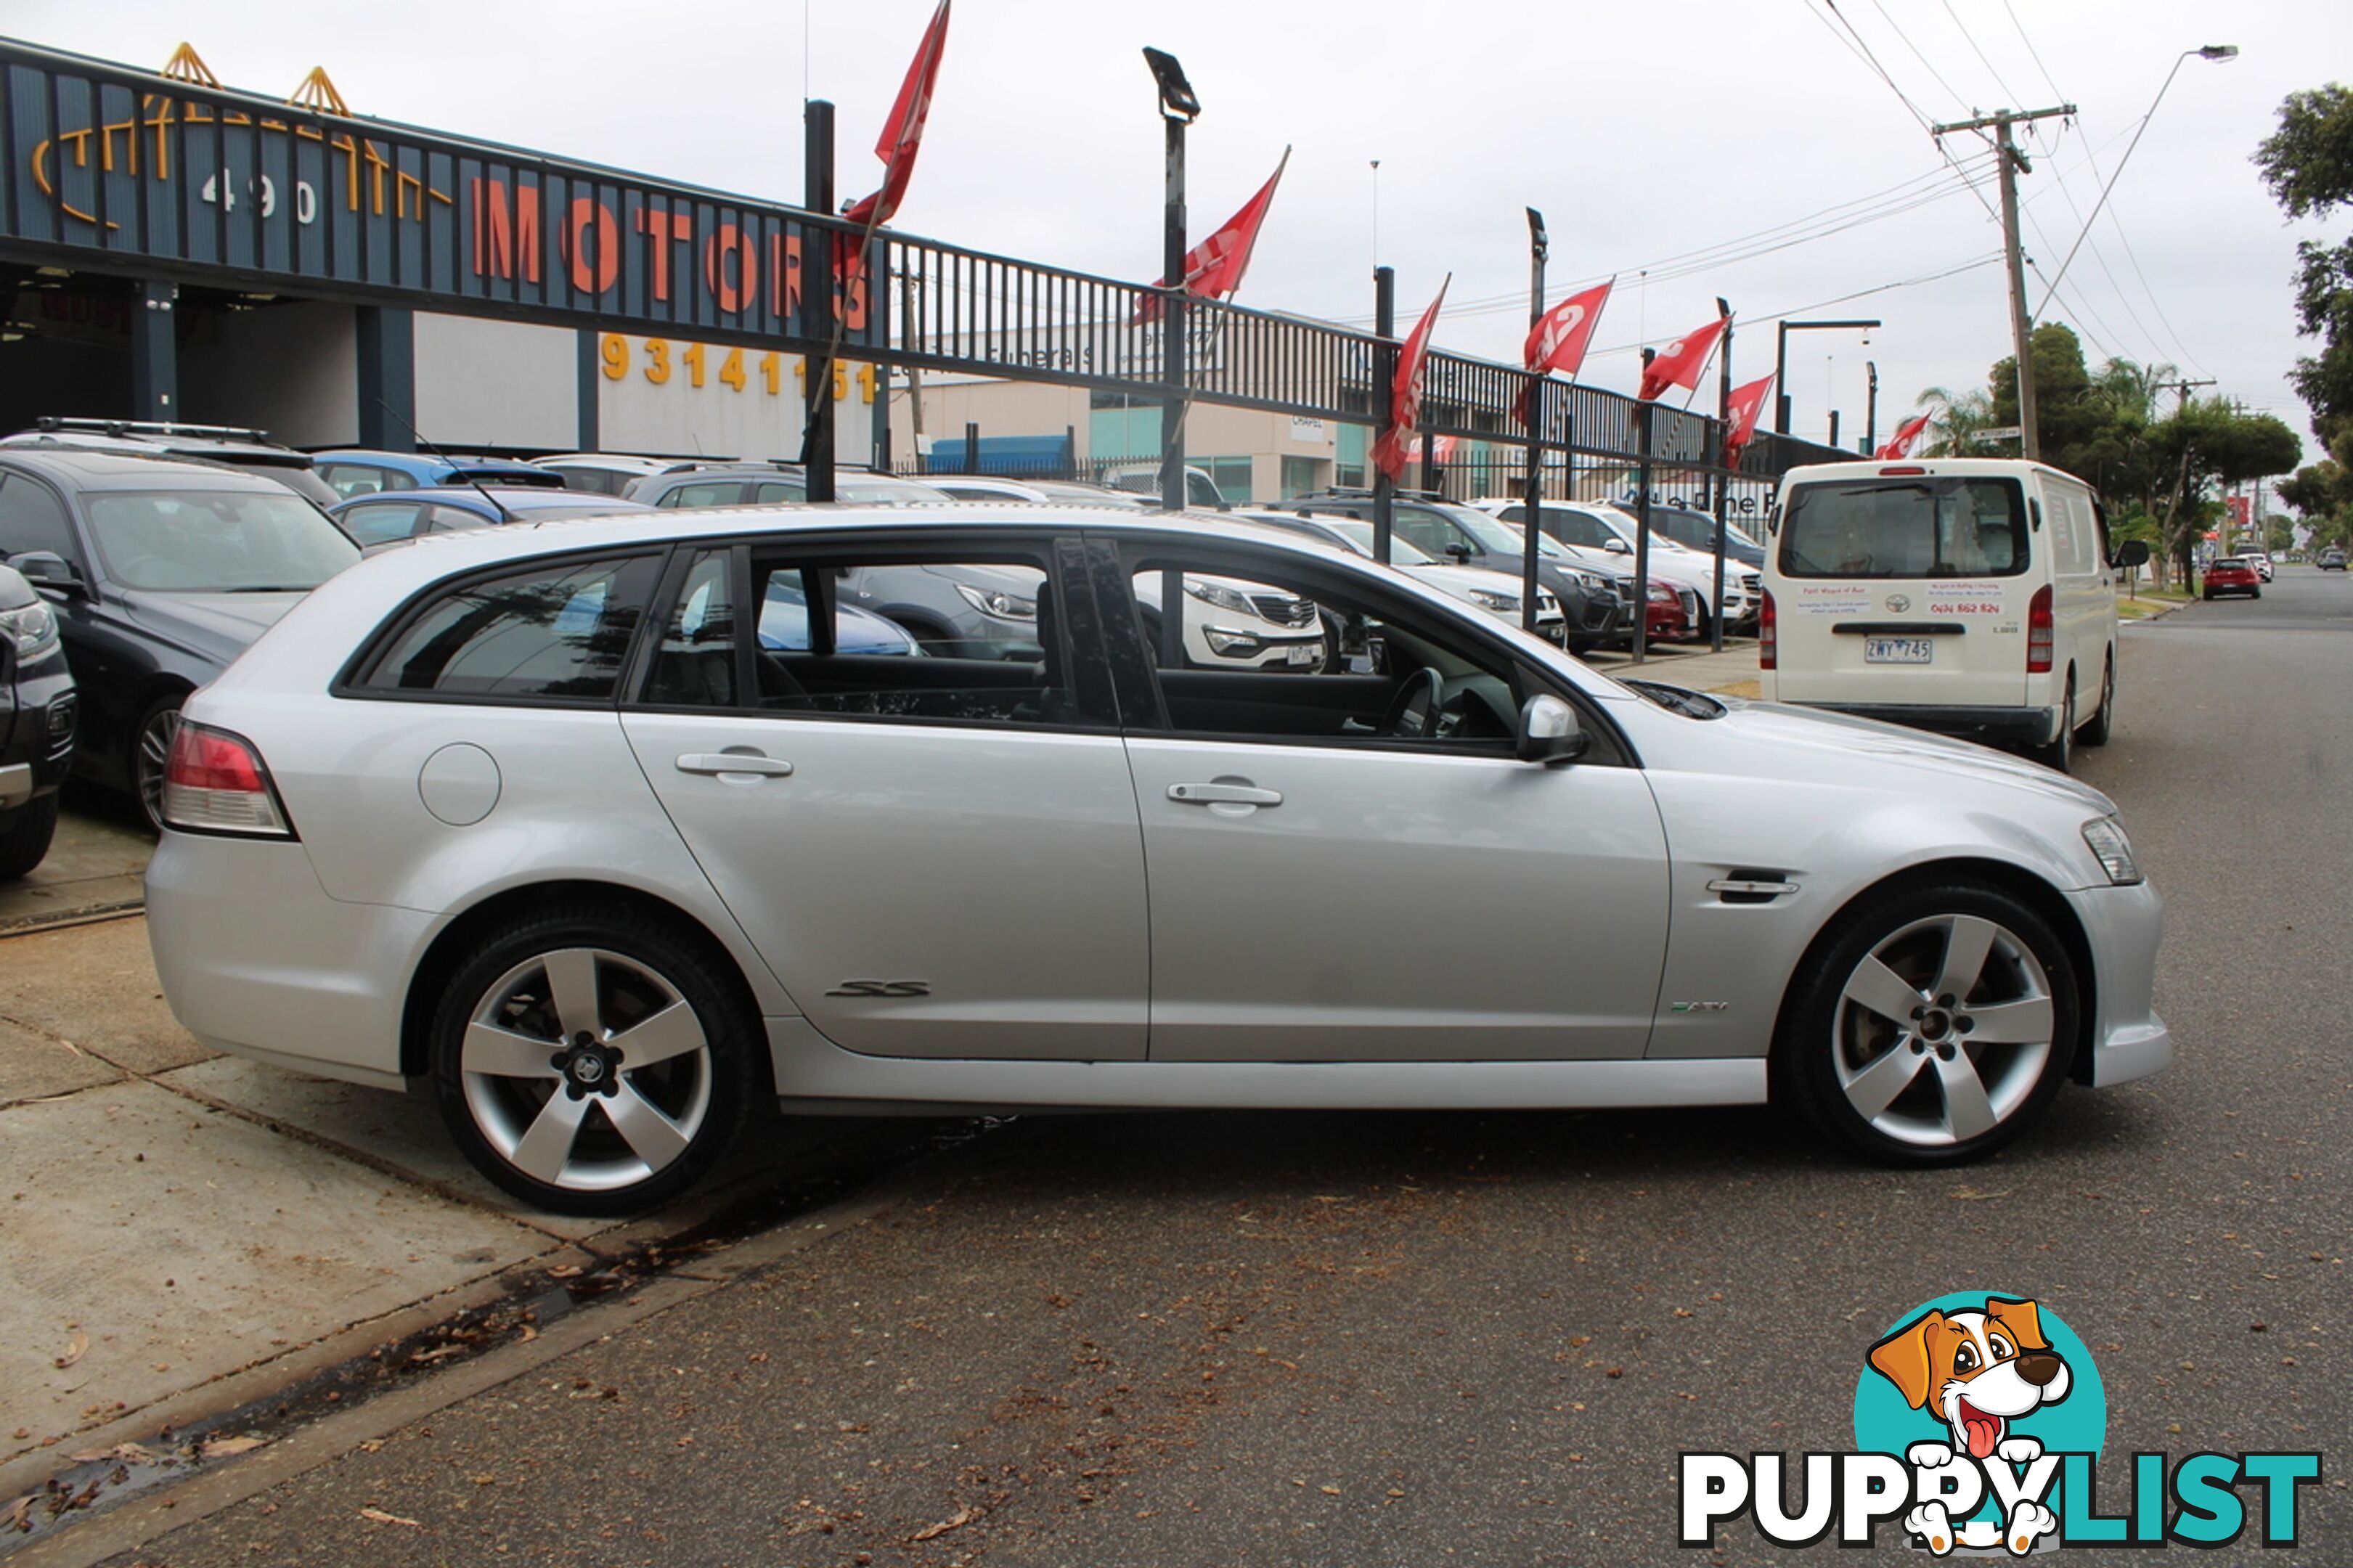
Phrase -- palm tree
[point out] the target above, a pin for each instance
(1965, 414)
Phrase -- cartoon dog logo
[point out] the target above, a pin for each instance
(1977, 1373)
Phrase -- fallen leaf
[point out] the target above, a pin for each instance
(126, 1453)
(230, 1447)
(564, 1271)
(381, 1517)
(955, 1521)
(76, 1348)
(1971, 1195)
(1329, 1491)
(20, 1513)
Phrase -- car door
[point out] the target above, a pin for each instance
(938, 856)
(1324, 891)
(2083, 588)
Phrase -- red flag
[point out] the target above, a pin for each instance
(1899, 444)
(1214, 267)
(1678, 364)
(902, 133)
(1558, 340)
(1441, 452)
(1747, 402)
(1394, 450)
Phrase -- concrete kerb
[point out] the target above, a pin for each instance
(134, 1524)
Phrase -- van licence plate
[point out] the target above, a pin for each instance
(1899, 650)
(1303, 653)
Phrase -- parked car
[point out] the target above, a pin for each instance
(2228, 574)
(2332, 559)
(1068, 492)
(353, 472)
(1144, 478)
(765, 484)
(2260, 559)
(1595, 607)
(160, 571)
(400, 515)
(237, 448)
(1598, 532)
(603, 473)
(1696, 532)
(1970, 595)
(1501, 596)
(492, 816)
(36, 719)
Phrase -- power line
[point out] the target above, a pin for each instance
(1906, 39)
(1970, 39)
(2032, 51)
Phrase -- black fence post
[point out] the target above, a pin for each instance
(1538, 401)
(971, 464)
(1722, 428)
(1173, 346)
(1642, 519)
(878, 308)
(817, 294)
(1385, 363)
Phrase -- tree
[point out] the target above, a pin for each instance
(2210, 440)
(1962, 415)
(2308, 165)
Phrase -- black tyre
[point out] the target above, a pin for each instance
(2059, 753)
(24, 835)
(592, 1060)
(151, 749)
(2103, 722)
(1935, 1023)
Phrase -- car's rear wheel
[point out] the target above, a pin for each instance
(25, 835)
(591, 1061)
(1933, 1024)
(2096, 731)
(151, 751)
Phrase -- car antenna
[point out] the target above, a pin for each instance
(418, 436)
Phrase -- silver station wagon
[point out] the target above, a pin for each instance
(536, 820)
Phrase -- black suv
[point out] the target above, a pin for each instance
(1595, 607)
(36, 723)
(158, 571)
(253, 449)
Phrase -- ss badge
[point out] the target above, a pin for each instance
(882, 988)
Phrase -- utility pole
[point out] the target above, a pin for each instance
(2013, 162)
(2181, 390)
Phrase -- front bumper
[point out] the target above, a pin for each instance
(2128, 1039)
(37, 716)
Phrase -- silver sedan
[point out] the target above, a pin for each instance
(532, 820)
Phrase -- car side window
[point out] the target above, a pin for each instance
(706, 492)
(452, 519)
(557, 631)
(958, 636)
(349, 480)
(1378, 672)
(1428, 533)
(32, 518)
(770, 491)
(380, 522)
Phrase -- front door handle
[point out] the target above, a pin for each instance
(1221, 793)
(718, 763)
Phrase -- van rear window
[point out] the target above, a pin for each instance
(1925, 527)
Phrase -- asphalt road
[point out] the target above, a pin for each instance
(1404, 1338)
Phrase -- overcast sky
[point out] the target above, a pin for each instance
(1646, 132)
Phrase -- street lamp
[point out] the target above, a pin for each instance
(1782, 361)
(2216, 52)
(1178, 107)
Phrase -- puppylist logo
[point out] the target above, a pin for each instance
(1979, 1424)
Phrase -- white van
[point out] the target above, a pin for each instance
(1975, 597)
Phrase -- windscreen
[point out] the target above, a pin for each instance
(215, 542)
(1360, 534)
(1916, 527)
(1501, 537)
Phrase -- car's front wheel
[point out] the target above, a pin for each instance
(1932, 1024)
(591, 1061)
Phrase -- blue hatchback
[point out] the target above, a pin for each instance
(351, 472)
(398, 515)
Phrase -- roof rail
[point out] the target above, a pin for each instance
(152, 427)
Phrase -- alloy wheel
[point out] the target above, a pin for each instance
(155, 754)
(1943, 1030)
(585, 1070)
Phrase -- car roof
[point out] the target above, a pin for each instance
(250, 454)
(514, 497)
(92, 469)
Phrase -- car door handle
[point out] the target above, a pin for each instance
(1224, 794)
(718, 762)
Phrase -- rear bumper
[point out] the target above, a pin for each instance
(2016, 726)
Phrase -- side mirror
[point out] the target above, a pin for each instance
(45, 569)
(1549, 732)
(1460, 552)
(2131, 552)
(1617, 546)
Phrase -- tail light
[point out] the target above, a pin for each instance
(1768, 635)
(214, 781)
(2038, 632)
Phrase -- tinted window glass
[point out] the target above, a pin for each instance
(601, 481)
(706, 492)
(774, 490)
(379, 522)
(1924, 527)
(554, 631)
(215, 542)
(360, 479)
(695, 666)
(32, 518)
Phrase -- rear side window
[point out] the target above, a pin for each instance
(33, 518)
(706, 492)
(559, 632)
(1924, 527)
(380, 522)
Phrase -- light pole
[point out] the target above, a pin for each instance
(2217, 52)
(1178, 109)
(1782, 361)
